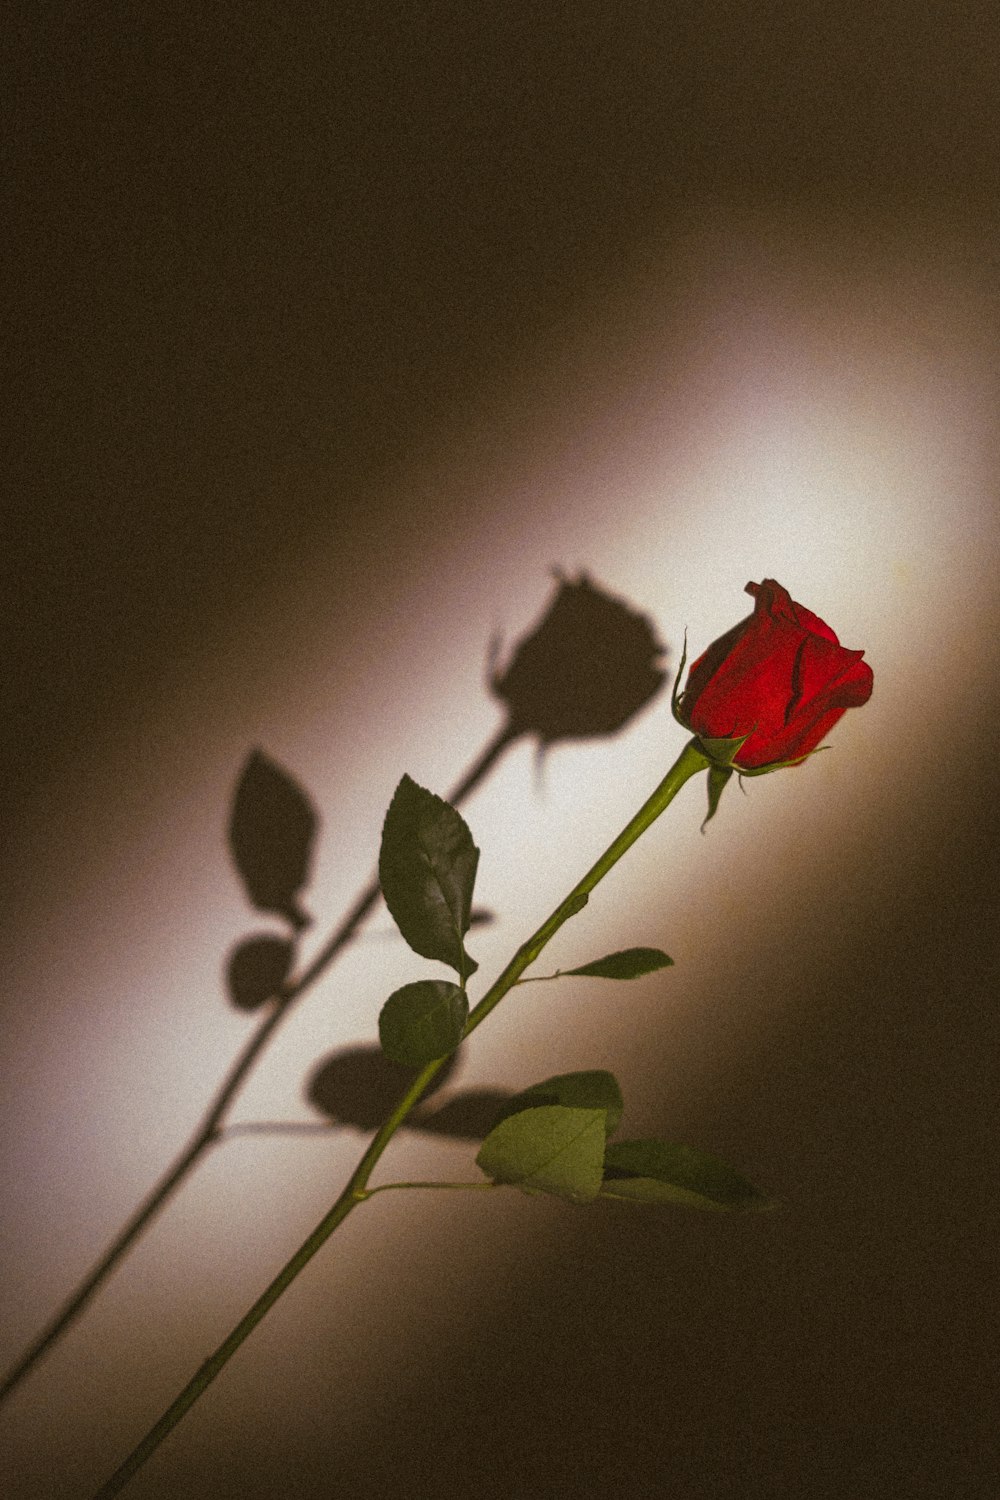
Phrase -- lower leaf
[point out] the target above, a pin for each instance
(657, 1172)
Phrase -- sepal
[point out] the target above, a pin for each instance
(779, 765)
(675, 695)
(724, 749)
(718, 776)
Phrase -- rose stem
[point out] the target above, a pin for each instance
(689, 762)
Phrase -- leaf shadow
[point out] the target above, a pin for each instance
(358, 1086)
(272, 830)
(468, 1116)
(257, 968)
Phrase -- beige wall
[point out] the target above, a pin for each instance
(339, 334)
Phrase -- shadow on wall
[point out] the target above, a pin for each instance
(359, 1085)
(589, 666)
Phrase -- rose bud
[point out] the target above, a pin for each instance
(589, 665)
(765, 693)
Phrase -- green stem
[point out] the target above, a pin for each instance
(689, 763)
(353, 1194)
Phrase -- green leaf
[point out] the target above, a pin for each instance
(548, 1150)
(593, 1090)
(656, 1172)
(423, 1021)
(628, 964)
(427, 869)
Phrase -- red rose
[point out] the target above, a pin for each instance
(781, 678)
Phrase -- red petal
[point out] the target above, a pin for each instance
(775, 600)
(771, 599)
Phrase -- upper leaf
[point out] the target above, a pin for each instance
(427, 869)
(656, 1172)
(271, 832)
(592, 1090)
(423, 1021)
(628, 964)
(548, 1150)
